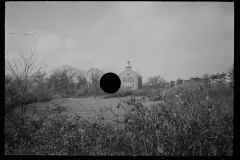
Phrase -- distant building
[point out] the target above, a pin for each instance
(223, 77)
(186, 81)
(227, 78)
(195, 79)
(130, 79)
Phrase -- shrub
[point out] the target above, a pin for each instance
(186, 124)
(155, 98)
(140, 92)
(118, 94)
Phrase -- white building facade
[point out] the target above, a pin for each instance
(130, 79)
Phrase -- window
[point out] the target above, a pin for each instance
(133, 85)
(133, 79)
(123, 79)
(130, 79)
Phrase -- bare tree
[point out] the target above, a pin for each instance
(179, 81)
(39, 80)
(22, 70)
(54, 80)
(94, 75)
(81, 77)
(66, 73)
(204, 76)
(156, 82)
(7, 79)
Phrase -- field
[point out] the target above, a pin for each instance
(88, 107)
(188, 121)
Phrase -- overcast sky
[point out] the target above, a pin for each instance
(171, 39)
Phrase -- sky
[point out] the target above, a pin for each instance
(170, 39)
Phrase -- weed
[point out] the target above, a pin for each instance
(194, 120)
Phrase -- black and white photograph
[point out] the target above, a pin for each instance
(119, 78)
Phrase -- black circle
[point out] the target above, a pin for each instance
(110, 82)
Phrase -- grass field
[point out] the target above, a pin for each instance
(89, 107)
(187, 122)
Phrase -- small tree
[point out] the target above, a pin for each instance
(81, 77)
(22, 71)
(68, 73)
(40, 84)
(94, 75)
(7, 79)
(54, 80)
(146, 86)
(62, 78)
(179, 81)
(204, 76)
(156, 82)
(206, 80)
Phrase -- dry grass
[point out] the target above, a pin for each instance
(188, 122)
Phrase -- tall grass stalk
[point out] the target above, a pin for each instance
(188, 121)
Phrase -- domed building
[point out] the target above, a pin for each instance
(130, 79)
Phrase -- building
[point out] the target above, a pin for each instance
(227, 78)
(223, 77)
(130, 79)
(214, 79)
(187, 81)
(196, 79)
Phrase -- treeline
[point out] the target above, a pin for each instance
(26, 82)
(87, 83)
(63, 82)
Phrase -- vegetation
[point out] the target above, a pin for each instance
(20, 75)
(192, 119)
(231, 75)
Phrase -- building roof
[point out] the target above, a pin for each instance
(131, 71)
(196, 79)
(187, 80)
(218, 76)
(129, 68)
